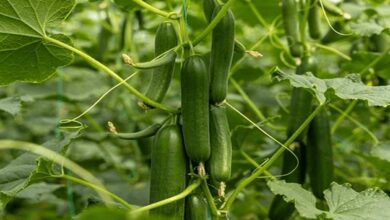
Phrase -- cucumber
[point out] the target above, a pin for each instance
(291, 26)
(195, 108)
(147, 132)
(300, 109)
(168, 171)
(220, 161)
(319, 154)
(221, 56)
(208, 8)
(196, 208)
(314, 20)
(166, 38)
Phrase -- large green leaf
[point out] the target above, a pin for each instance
(25, 54)
(344, 203)
(349, 87)
(28, 168)
(305, 201)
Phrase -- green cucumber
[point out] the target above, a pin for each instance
(196, 208)
(147, 132)
(221, 56)
(195, 108)
(164, 59)
(300, 109)
(314, 20)
(208, 8)
(319, 154)
(220, 161)
(166, 39)
(291, 26)
(168, 171)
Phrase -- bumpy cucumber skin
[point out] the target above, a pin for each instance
(220, 161)
(314, 20)
(196, 208)
(291, 21)
(166, 38)
(168, 171)
(195, 108)
(319, 154)
(221, 57)
(208, 8)
(300, 109)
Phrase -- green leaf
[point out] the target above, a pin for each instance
(11, 105)
(344, 203)
(305, 201)
(102, 213)
(366, 28)
(382, 151)
(29, 168)
(25, 54)
(40, 192)
(349, 87)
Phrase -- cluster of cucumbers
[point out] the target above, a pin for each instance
(313, 147)
(198, 138)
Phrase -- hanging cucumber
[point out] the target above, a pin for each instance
(208, 8)
(314, 20)
(196, 208)
(195, 108)
(300, 109)
(166, 38)
(319, 154)
(221, 56)
(168, 171)
(220, 161)
(291, 26)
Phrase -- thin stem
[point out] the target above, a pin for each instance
(335, 51)
(342, 116)
(170, 15)
(179, 196)
(213, 23)
(209, 198)
(257, 14)
(111, 73)
(360, 125)
(243, 183)
(96, 188)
